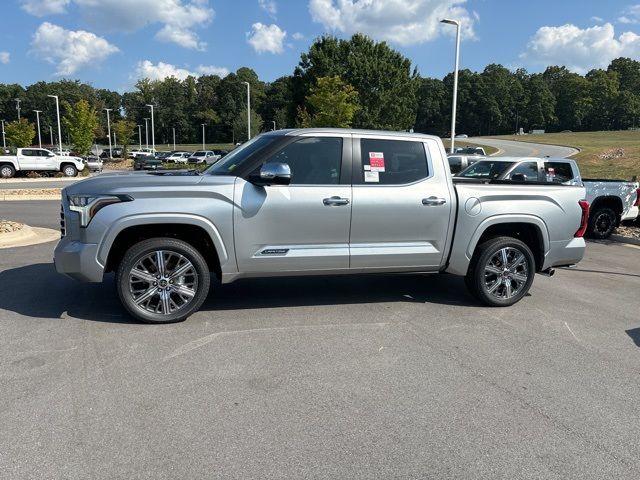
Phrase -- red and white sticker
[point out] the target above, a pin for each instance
(376, 161)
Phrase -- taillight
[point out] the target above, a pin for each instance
(637, 204)
(584, 220)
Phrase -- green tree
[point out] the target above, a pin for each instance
(332, 103)
(604, 90)
(124, 130)
(20, 133)
(240, 125)
(432, 107)
(80, 122)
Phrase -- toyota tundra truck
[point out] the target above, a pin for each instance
(314, 202)
(39, 160)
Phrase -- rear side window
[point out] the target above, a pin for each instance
(558, 172)
(528, 169)
(27, 152)
(392, 162)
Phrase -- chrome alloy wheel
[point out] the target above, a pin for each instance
(163, 282)
(506, 273)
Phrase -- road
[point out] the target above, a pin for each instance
(510, 148)
(354, 377)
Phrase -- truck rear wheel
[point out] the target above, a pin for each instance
(501, 271)
(162, 280)
(69, 170)
(602, 223)
(7, 171)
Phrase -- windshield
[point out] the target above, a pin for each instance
(234, 159)
(485, 169)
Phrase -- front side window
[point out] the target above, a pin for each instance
(528, 169)
(313, 160)
(392, 162)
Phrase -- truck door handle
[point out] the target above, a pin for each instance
(431, 201)
(332, 201)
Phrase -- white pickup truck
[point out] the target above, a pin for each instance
(611, 201)
(38, 160)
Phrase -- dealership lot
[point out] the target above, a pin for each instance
(351, 377)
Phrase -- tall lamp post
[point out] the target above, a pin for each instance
(153, 135)
(202, 136)
(274, 125)
(146, 132)
(174, 139)
(248, 110)
(139, 137)
(109, 131)
(58, 114)
(51, 134)
(18, 106)
(4, 139)
(456, 23)
(38, 112)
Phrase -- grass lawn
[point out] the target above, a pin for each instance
(593, 148)
(463, 143)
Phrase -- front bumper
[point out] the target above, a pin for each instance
(78, 260)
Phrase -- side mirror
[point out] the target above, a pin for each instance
(273, 174)
(519, 177)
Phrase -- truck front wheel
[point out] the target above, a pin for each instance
(69, 170)
(7, 171)
(501, 271)
(162, 280)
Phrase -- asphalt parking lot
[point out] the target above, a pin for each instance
(352, 377)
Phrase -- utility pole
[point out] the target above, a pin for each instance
(18, 106)
(153, 135)
(139, 137)
(58, 114)
(455, 81)
(38, 112)
(109, 131)
(248, 110)
(203, 136)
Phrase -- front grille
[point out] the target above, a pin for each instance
(63, 229)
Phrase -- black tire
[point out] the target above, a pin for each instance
(169, 246)
(7, 170)
(477, 277)
(69, 170)
(602, 223)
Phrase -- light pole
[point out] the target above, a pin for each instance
(455, 80)
(146, 132)
(109, 131)
(18, 106)
(115, 139)
(4, 140)
(51, 134)
(174, 139)
(274, 125)
(58, 114)
(38, 112)
(153, 135)
(203, 136)
(139, 137)
(248, 110)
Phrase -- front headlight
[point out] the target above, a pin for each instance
(88, 205)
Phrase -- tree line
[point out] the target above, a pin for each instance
(339, 82)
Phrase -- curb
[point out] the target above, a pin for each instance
(621, 239)
(28, 236)
(19, 198)
(38, 180)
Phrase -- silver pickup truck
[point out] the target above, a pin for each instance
(611, 201)
(310, 202)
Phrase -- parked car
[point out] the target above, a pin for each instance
(612, 201)
(39, 160)
(220, 153)
(116, 152)
(458, 163)
(203, 156)
(314, 201)
(93, 163)
(162, 155)
(471, 151)
(141, 152)
(462, 135)
(178, 157)
(146, 162)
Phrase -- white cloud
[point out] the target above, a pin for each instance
(580, 49)
(269, 6)
(266, 38)
(40, 8)
(405, 22)
(178, 18)
(297, 36)
(5, 57)
(161, 70)
(69, 50)
(630, 15)
(597, 19)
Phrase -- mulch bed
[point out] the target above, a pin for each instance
(7, 226)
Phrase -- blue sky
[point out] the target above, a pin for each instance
(111, 43)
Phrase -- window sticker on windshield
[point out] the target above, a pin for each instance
(371, 177)
(376, 161)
